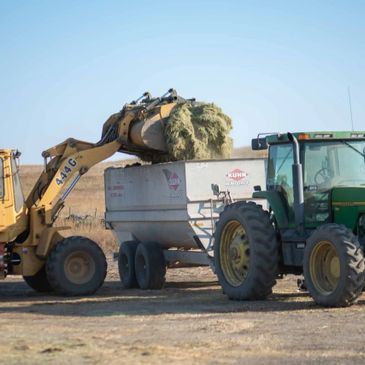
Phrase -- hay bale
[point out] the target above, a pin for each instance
(197, 131)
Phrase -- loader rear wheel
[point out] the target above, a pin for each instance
(39, 282)
(246, 252)
(150, 266)
(127, 273)
(334, 269)
(76, 266)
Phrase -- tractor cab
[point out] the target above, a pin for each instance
(12, 207)
(331, 181)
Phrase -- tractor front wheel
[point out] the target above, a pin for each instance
(334, 269)
(246, 252)
(76, 266)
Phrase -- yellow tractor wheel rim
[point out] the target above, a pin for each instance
(234, 253)
(79, 267)
(324, 267)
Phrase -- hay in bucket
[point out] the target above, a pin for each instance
(196, 131)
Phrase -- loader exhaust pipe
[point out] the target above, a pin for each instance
(298, 185)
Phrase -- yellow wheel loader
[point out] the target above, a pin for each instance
(30, 244)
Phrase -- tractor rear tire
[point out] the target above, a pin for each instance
(76, 266)
(246, 252)
(39, 282)
(334, 268)
(126, 258)
(150, 266)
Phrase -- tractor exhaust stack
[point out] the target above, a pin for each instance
(298, 187)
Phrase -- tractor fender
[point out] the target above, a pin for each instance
(49, 237)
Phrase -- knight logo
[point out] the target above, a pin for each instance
(237, 175)
(173, 180)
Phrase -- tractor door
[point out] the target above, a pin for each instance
(280, 178)
(13, 220)
(317, 175)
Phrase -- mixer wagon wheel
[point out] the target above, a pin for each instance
(126, 258)
(150, 266)
(76, 266)
(39, 282)
(246, 252)
(334, 269)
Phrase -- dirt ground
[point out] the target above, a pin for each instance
(190, 321)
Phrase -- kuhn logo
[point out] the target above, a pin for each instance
(173, 180)
(237, 175)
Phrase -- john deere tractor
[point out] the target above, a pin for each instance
(314, 223)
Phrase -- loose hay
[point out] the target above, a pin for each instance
(197, 131)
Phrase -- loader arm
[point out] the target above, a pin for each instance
(66, 162)
(76, 161)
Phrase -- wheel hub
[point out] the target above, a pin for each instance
(335, 267)
(79, 267)
(235, 253)
(325, 268)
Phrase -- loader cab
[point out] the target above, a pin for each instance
(12, 207)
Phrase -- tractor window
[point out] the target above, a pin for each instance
(330, 164)
(1, 178)
(280, 174)
(327, 165)
(18, 193)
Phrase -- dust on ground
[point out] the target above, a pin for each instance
(190, 321)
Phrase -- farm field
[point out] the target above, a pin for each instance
(190, 321)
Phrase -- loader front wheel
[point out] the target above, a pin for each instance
(150, 266)
(76, 266)
(126, 258)
(333, 266)
(246, 252)
(39, 282)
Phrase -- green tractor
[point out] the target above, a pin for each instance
(314, 225)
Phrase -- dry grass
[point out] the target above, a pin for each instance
(198, 131)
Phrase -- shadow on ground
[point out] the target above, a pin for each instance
(175, 298)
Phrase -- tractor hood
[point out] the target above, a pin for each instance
(348, 203)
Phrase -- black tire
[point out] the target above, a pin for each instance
(150, 266)
(333, 265)
(39, 282)
(249, 270)
(126, 258)
(76, 266)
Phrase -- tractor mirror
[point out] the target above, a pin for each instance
(258, 144)
(216, 189)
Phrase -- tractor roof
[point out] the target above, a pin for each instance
(315, 136)
(6, 151)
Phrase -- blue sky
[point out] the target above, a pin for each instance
(271, 65)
